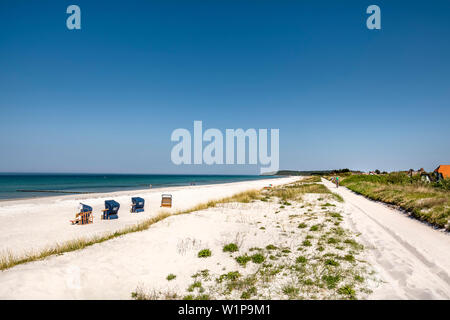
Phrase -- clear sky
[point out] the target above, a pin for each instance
(106, 98)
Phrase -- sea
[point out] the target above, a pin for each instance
(29, 185)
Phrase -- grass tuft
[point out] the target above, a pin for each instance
(231, 247)
(204, 253)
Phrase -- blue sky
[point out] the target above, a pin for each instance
(106, 98)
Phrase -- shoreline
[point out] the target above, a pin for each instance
(131, 189)
(36, 223)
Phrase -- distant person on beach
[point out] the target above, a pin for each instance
(337, 182)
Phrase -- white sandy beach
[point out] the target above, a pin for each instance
(37, 223)
(116, 268)
(411, 259)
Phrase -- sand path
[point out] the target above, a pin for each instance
(410, 256)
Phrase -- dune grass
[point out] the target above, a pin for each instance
(243, 197)
(424, 201)
(321, 262)
(295, 191)
(10, 260)
(311, 179)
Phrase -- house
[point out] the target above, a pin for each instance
(443, 171)
(412, 173)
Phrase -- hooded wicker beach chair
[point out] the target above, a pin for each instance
(84, 216)
(111, 210)
(166, 200)
(137, 204)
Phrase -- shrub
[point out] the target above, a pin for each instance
(347, 291)
(331, 281)
(443, 184)
(242, 260)
(196, 284)
(257, 258)
(231, 247)
(204, 253)
(232, 276)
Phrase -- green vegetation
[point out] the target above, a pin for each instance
(425, 201)
(311, 179)
(249, 293)
(242, 260)
(306, 243)
(204, 253)
(314, 173)
(257, 258)
(331, 280)
(171, 277)
(301, 259)
(232, 275)
(291, 291)
(294, 192)
(201, 274)
(331, 262)
(347, 291)
(231, 247)
(195, 285)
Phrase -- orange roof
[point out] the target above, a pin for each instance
(444, 169)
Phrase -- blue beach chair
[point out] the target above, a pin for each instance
(84, 216)
(137, 204)
(111, 210)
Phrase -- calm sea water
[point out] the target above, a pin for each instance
(14, 186)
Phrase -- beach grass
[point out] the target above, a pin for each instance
(9, 260)
(322, 261)
(311, 179)
(295, 191)
(425, 201)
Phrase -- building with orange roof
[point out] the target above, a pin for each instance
(443, 171)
